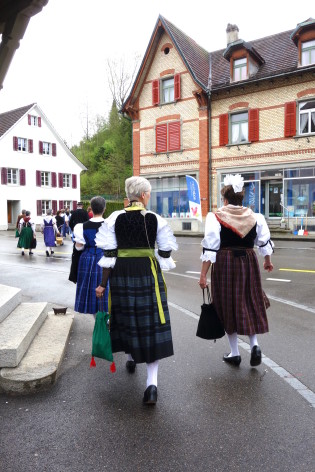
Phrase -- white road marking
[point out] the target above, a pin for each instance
(279, 280)
(302, 389)
(192, 272)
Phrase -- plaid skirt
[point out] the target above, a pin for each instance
(135, 326)
(88, 278)
(237, 292)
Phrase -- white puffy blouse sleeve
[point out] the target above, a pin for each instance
(106, 239)
(166, 242)
(263, 241)
(211, 242)
(78, 236)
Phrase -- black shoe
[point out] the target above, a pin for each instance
(52, 252)
(31, 253)
(47, 254)
(22, 253)
(150, 395)
(233, 360)
(131, 366)
(255, 357)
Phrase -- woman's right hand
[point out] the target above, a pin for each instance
(203, 281)
(99, 291)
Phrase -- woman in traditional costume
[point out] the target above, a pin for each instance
(228, 247)
(49, 230)
(140, 321)
(27, 233)
(88, 273)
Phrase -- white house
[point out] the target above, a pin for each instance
(38, 171)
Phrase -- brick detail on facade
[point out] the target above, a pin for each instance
(168, 118)
(136, 147)
(167, 72)
(204, 160)
(303, 93)
(238, 105)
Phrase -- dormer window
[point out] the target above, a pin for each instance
(240, 69)
(308, 53)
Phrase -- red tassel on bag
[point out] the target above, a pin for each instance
(93, 363)
(113, 367)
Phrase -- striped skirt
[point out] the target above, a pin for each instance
(89, 277)
(237, 292)
(136, 328)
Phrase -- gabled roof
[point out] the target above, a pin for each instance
(12, 117)
(302, 26)
(9, 118)
(241, 44)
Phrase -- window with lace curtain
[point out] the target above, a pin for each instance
(307, 117)
(239, 128)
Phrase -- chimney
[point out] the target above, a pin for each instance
(231, 33)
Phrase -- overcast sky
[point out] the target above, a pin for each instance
(61, 62)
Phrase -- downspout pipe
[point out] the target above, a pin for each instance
(209, 114)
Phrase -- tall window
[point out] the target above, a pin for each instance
(45, 179)
(308, 53)
(168, 90)
(307, 117)
(46, 205)
(12, 176)
(22, 144)
(239, 128)
(66, 180)
(46, 148)
(240, 69)
(67, 204)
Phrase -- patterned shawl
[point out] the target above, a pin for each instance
(239, 219)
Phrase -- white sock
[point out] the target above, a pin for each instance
(152, 372)
(129, 357)
(253, 341)
(233, 344)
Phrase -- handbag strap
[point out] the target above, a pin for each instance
(208, 293)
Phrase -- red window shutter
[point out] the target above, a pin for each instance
(253, 125)
(155, 92)
(29, 119)
(161, 138)
(60, 180)
(54, 206)
(224, 129)
(22, 177)
(54, 149)
(39, 121)
(4, 176)
(74, 204)
(177, 86)
(174, 136)
(60, 204)
(39, 207)
(53, 179)
(38, 178)
(30, 145)
(40, 144)
(74, 181)
(290, 119)
(15, 143)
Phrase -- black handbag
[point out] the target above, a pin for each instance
(33, 243)
(209, 325)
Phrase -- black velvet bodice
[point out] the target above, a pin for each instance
(130, 230)
(231, 239)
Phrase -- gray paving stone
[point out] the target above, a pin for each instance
(10, 297)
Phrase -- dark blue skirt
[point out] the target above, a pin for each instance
(90, 277)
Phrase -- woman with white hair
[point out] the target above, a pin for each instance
(49, 228)
(228, 247)
(140, 321)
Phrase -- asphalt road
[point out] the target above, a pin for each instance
(209, 415)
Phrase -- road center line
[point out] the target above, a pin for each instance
(298, 270)
(300, 388)
(279, 280)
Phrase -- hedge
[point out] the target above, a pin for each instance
(110, 207)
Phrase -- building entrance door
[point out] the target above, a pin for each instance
(275, 198)
(9, 206)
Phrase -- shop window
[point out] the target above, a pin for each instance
(299, 196)
(307, 117)
(308, 53)
(169, 197)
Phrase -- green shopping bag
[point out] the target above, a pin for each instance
(101, 342)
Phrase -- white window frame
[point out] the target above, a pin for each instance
(241, 66)
(46, 205)
(168, 88)
(66, 180)
(45, 178)
(237, 124)
(67, 203)
(46, 148)
(34, 120)
(308, 47)
(12, 176)
(22, 144)
(308, 112)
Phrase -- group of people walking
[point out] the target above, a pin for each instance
(119, 256)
